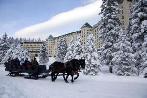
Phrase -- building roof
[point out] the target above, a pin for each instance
(50, 37)
(86, 25)
(68, 34)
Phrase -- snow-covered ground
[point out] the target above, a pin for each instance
(101, 86)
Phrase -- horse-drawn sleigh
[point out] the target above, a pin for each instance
(35, 71)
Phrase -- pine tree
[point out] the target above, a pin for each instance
(17, 52)
(91, 57)
(109, 30)
(138, 24)
(61, 50)
(10, 40)
(8, 54)
(69, 54)
(4, 46)
(17, 41)
(123, 58)
(78, 49)
(74, 50)
(144, 46)
(144, 53)
(43, 55)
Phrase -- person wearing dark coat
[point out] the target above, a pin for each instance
(27, 64)
(17, 63)
(34, 62)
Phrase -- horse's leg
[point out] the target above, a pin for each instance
(56, 76)
(72, 76)
(76, 76)
(66, 78)
(52, 76)
(72, 80)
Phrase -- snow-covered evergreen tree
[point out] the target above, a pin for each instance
(91, 57)
(123, 58)
(144, 46)
(61, 50)
(74, 50)
(78, 49)
(11, 40)
(138, 24)
(8, 54)
(17, 52)
(70, 49)
(4, 46)
(43, 55)
(17, 41)
(109, 30)
(144, 53)
(21, 53)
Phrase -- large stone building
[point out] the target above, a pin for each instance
(95, 31)
(32, 47)
(52, 42)
(86, 29)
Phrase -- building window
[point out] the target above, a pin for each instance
(36, 55)
(122, 17)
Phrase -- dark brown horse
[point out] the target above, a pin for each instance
(69, 68)
(73, 68)
(56, 68)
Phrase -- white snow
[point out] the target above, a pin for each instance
(51, 60)
(144, 22)
(100, 86)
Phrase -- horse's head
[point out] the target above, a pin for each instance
(82, 63)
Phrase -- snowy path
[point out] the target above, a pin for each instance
(101, 86)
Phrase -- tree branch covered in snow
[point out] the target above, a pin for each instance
(43, 55)
(61, 50)
(91, 57)
(74, 50)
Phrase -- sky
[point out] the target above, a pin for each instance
(40, 18)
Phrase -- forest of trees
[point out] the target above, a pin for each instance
(124, 51)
